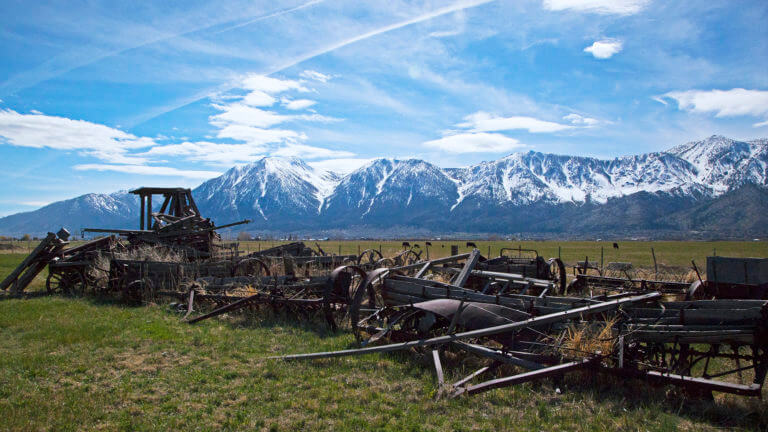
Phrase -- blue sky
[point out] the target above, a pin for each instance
(99, 96)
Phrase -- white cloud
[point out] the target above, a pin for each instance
(724, 103)
(481, 142)
(314, 75)
(298, 104)
(258, 98)
(216, 153)
(254, 135)
(60, 133)
(149, 170)
(485, 122)
(604, 7)
(241, 114)
(310, 152)
(270, 85)
(35, 203)
(341, 165)
(761, 124)
(605, 48)
(579, 120)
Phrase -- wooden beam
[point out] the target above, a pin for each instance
(438, 367)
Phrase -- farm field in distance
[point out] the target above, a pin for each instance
(669, 253)
(88, 364)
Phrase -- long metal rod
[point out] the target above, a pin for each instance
(489, 331)
(523, 377)
(437, 261)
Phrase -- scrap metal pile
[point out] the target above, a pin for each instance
(517, 317)
(452, 304)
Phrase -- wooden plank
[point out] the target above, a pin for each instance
(423, 270)
(438, 367)
(34, 255)
(461, 279)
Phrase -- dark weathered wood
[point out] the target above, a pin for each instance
(461, 279)
(44, 247)
(438, 367)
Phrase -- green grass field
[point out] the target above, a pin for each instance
(90, 364)
(668, 253)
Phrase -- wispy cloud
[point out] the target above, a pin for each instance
(340, 165)
(605, 7)
(481, 142)
(580, 120)
(291, 62)
(298, 104)
(61, 133)
(723, 103)
(604, 49)
(485, 122)
(315, 75)
(149, 170)
(310, 152)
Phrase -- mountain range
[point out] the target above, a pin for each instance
(713, 188)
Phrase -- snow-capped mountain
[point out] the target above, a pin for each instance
(275, 191)
(119, 209)
(381, 190)
(522, 192)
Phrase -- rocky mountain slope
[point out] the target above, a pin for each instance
(686, 189)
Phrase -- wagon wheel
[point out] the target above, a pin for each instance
(384, 262)
(557, 274)
(251, 267)
(407, 257)
(138, 290)
(369, 258)
(70, 283)
(367, 300)
(339, 292)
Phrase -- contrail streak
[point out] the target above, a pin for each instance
(74, 60)
(318, 52)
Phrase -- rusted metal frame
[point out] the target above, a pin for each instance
(255, 298)
(414, 291)
(490, 331)
(647, 283)
(461, 279)
(449, 259)
(511, 277)
(754, 389)
(496, 355)
(525, 377)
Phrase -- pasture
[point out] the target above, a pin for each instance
(95, 364)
